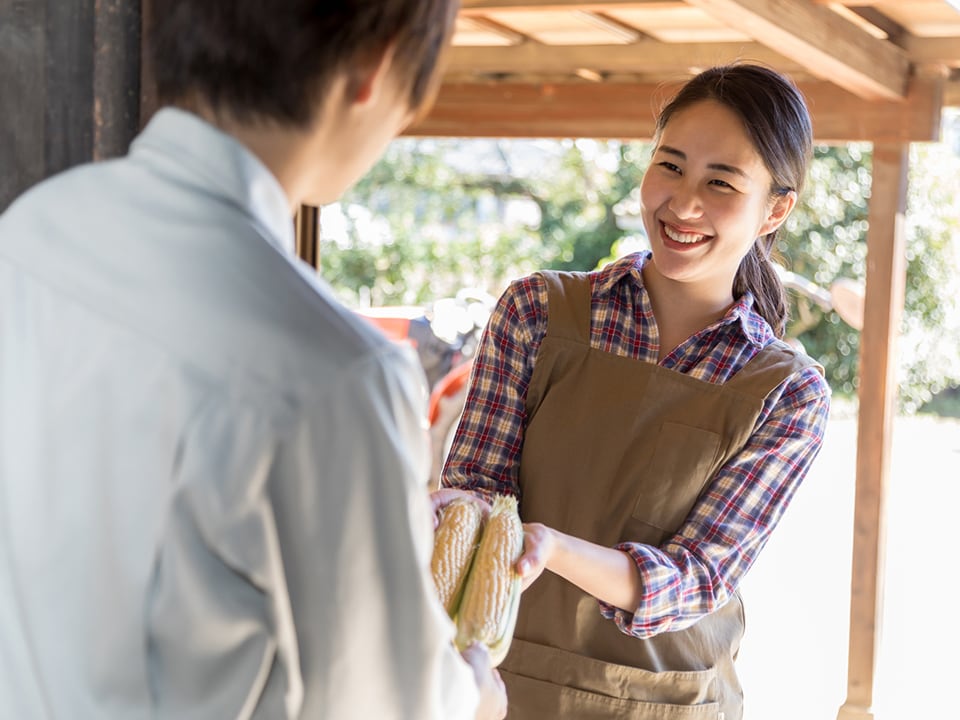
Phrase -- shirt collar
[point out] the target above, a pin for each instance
(741, 314)
(628, 266)
(202, 154)
(751, 323)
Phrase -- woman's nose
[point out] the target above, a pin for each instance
(685, 201)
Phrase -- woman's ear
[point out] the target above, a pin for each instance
(779, 210)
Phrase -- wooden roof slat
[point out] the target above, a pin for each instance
(893, 30)
(482, 31)
(812, 34)
(678, 22)
(829, 46)
(574, 27)
(933, 18)
(613, 25)
(858, 17)
(927, 18)
(469, 7)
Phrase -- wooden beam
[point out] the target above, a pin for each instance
(829, 46)
(933, 50)
(627, 110)
(886, 279)
(643, 56)
(838, 116)
(951, 93)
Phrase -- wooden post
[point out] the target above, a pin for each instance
(308, 235)
(148, 86)
(116, 77)
(886, 272)
(69, 80)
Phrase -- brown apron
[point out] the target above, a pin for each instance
(616, 450)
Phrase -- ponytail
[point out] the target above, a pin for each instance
(757, 275)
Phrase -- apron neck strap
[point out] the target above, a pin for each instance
(568, 303)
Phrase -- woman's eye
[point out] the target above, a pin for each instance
(722, 184)
(669, 166)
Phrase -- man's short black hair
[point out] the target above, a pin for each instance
(273, 60)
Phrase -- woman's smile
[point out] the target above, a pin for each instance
(682, 236)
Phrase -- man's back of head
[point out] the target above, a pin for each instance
(274, 62)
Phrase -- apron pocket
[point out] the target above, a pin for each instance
(545, 682)
(682, 463)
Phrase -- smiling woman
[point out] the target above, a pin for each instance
(652, 422)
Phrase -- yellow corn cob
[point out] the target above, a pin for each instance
(454, 544)
(491, 598)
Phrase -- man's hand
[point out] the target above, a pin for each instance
(493, 694)
(440, 498)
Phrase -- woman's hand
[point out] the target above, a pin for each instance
(539, 544)
(606, 573)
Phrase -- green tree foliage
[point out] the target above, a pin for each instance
(430, 234)
(580, 220)
(826, 239)
(446, 223)
(435, 216)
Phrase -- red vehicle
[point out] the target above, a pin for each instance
(445, 335)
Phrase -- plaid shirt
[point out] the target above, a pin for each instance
(697, 570)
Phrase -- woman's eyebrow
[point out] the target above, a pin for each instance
(722, 167)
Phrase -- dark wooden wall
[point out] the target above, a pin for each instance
(69, 86)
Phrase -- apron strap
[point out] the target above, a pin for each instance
(568, 304)
(769, 368)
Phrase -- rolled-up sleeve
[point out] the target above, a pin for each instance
(485, 455)
(698, 569)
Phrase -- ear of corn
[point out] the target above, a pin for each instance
(491, 598)
(454, 545)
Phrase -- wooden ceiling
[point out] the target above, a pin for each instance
(870, 70)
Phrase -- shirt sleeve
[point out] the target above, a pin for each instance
(380, 644)
(299, 585)
(697, 570)
(485, 454)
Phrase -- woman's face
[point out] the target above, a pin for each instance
(706, 197)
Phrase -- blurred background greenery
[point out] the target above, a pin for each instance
(435, 216)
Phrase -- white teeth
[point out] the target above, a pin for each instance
(686, 238)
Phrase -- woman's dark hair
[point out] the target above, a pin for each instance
(274, 61)
(776, 119)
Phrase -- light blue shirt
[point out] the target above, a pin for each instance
(212, 476)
